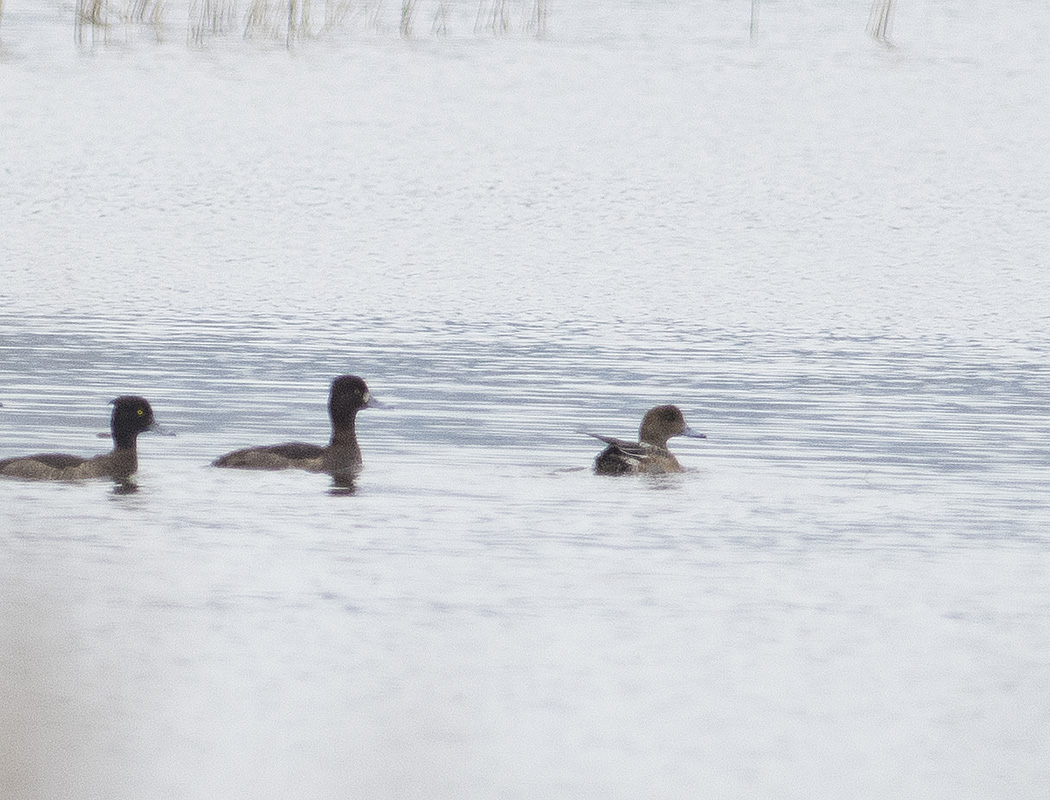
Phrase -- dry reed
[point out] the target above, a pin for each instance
(292, 20)
(880, 20)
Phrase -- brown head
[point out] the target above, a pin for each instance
(663, 422)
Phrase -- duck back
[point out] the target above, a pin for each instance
(290, 455)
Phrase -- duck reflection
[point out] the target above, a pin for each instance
(125, 486)
(343, 483)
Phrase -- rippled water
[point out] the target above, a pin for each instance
(829, 253)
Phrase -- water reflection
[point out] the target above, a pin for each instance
(343, 485)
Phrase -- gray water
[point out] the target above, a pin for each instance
(830, 253)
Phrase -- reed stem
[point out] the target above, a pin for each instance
(880, 20)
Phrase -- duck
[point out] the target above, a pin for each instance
(341, 456)
(132, 415)
(650, 453)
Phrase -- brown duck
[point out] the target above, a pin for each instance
(650, 453)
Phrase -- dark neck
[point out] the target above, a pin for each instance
(343, 430)
(124, 440)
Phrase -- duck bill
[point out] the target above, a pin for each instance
(371, 402)
(159, 430)
(693, 434)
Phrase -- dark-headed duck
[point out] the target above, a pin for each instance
(131, 416)
(341, 456)
(650, 454)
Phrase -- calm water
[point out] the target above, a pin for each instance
(831, 254)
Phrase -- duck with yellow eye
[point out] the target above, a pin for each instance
(131, 416)
(650, 453)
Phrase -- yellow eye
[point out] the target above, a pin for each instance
(139, 411)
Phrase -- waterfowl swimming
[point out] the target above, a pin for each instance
(341, 456)
(131, 416)
(650, 453)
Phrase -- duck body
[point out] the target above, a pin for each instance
(131, 416)
(293, 455)
(623, 458)
(342, 455)
(650, 454)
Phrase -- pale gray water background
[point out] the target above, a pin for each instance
(830, 253)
